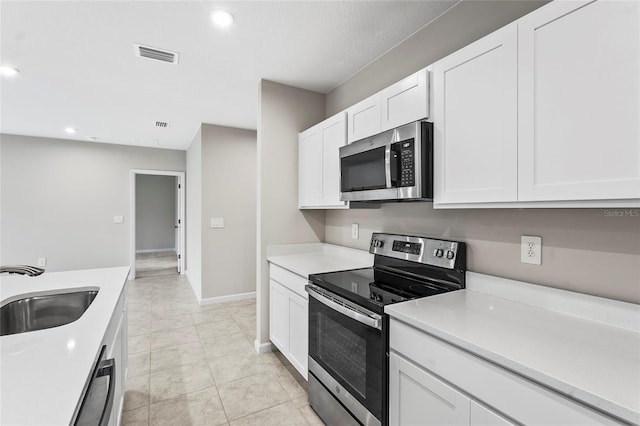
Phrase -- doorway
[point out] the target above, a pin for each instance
(157, 223)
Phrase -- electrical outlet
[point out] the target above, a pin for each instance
(531, 250)
(355, 231)
(42, 261)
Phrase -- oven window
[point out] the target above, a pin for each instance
(345, 352)
(364, 171)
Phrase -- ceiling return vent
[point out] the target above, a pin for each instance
(162, 124)
(156, 54)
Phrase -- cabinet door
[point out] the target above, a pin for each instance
(482, 416)
(579, 101)
(475, 121)
(279, 316)
(334, 135)
(418, 398)
(405, 101)
(310, 167)
(363, 119)
(298, 333)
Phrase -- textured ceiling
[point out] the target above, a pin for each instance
(78, 68)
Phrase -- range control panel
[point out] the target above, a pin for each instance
(429, 251)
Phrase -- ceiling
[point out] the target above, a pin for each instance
(78, 68)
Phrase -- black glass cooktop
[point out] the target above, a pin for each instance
(374, 288)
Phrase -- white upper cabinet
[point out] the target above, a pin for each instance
(364, 119)
(579, 101)
(405, 101)
(544, 112)
(319, 164)
(398, 104)
(476, 127)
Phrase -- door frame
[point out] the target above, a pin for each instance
(132, 215)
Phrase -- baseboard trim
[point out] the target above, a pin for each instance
(229, 298)
(262, 348)
(156, 250)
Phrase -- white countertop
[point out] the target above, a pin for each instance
(43, 373)
(305, 259)
(595, 361)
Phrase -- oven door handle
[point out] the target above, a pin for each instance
(370, 321)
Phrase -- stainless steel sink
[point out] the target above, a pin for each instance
(41, 311)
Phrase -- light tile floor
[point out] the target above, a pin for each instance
(195, 365)
(156, 263)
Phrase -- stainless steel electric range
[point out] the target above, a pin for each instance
(348, 329)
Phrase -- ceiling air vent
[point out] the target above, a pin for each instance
(162, 124)
(156, 54)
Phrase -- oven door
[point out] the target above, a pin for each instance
(347, 352)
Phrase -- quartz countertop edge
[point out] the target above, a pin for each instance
(504, 331)
(305, 259)
(43, 373)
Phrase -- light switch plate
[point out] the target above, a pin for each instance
(118, 219)
(216, 222)
(42, 262)
(531, 250)
(355, 231)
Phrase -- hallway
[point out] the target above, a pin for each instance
(195, 365)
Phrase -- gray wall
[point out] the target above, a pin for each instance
(59, 199)
(229, 192)
(155, 212)
(584, 250)
(193, 196)
(283, 111)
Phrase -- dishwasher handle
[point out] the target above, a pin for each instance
(108, 368)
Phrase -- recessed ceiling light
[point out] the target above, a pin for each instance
(70, 130)
(222, 18)
(8, 71)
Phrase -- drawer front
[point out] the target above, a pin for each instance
(509, 393)
(288, 279)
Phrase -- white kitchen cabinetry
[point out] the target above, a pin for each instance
(288, 316)
(458, 386)
(115, 339)
(398, 104)
(544, 112)
(319, 164)
(475, 116)
(419, 398)
(579, 101)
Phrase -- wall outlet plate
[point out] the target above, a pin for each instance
(42, 261)
(355, 231)
(531, 250)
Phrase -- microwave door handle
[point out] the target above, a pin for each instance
(387, 165)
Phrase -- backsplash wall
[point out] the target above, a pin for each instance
(593, 251)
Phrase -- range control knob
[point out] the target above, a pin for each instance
(377, 243)
(438, 253)
(450, 254)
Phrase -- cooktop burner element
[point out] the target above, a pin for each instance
(405, 268)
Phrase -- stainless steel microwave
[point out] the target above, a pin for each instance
(396, 165)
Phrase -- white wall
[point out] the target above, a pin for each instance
(283, 112)
(228, 192)
(155, 212)
(193, 232)
(584, 250)
(59, 199)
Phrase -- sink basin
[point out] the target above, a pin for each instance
(41, 311)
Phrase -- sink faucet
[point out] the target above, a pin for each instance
(32, 271)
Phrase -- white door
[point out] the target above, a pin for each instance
(299, 333)
(334, 135)
(579, 101)
(178, 224)
(418, 398)
(279, 316)
(363, 119)
(310, 167)
(405, 101)
(475, 121)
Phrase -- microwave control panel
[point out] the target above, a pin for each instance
(407, 163)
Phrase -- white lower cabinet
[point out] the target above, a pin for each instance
(115, 339)
(289, 317)
(434, 383)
